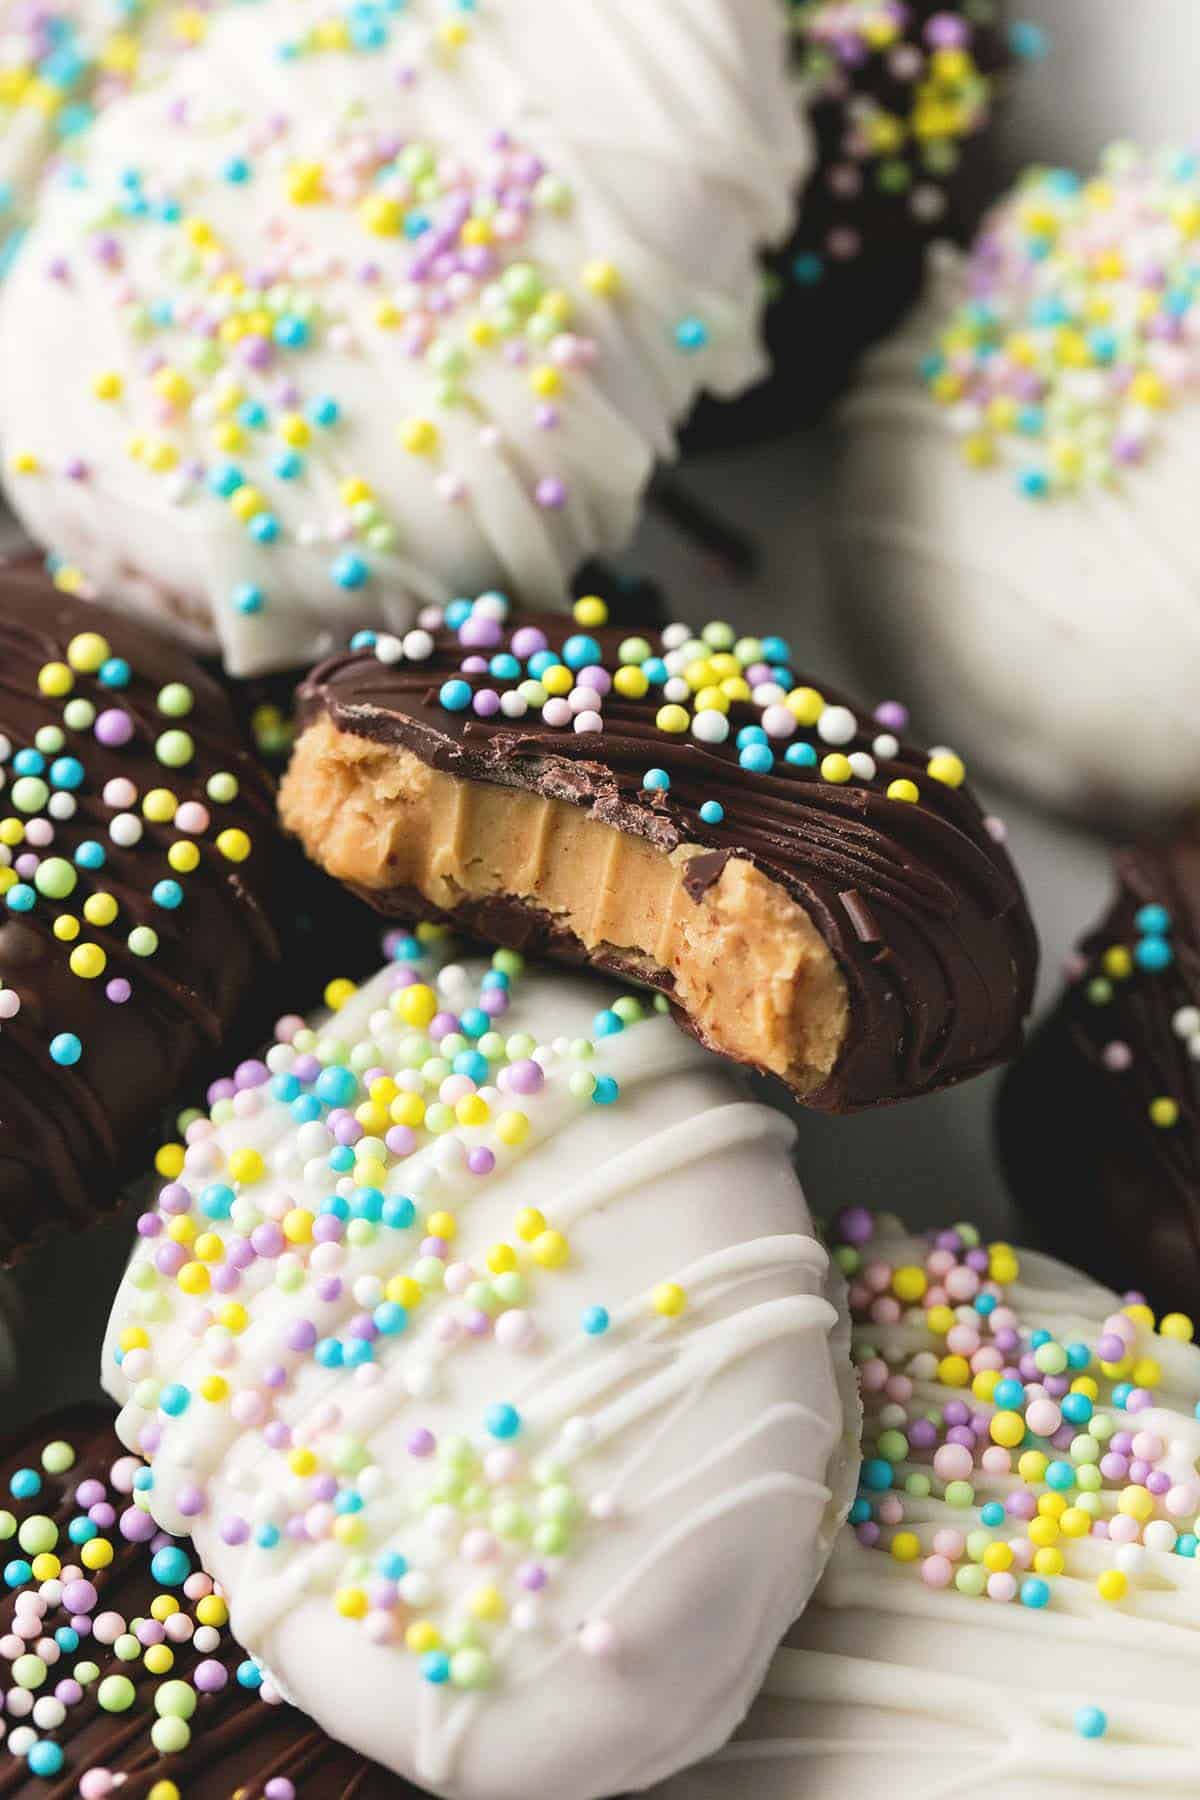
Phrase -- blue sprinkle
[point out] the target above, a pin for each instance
(66, 772)
(580, 651)
(1009, 1395)
(605, 1091)
(1060, 1476)
(1077, 1408)
(759, 759)
(1090, 1722)
(595, 1321)
(357, 1352)
(1153, 954)
(801, 756)
(471, 1064)
(82, 1531)
(435, 1667)
(216, 1202)
(1033, 483)
(390, 1319)
(712, 812)
(367, 1203)
(656, 781)
(284, 1088)
(992, 1514)
(691, 334)
(504, 666)
(399, 1213)
(1154, 921)
(225, 479)
(1186, 1543)
(328, 1353)
(334, 1206)
(252, 414)
(115, 673)
(29, 762)
(306, 1109)
(458, 612)
(291, 332)
(264, 528)
(67, 1638)
(17, 1573)
(750, 734)
(392, 1566)
(607, 1024)
(25, 1484)
(91, 855)
(174, 1399)
(21, 898)
(171, 1566)
(502, 1421)
(249, 1675)
(237, 170)
(336, 1085)
(266, 1536)
(1035, 1592)
(248, 598)
(876, 1474)
(455, 695)
(539, 662)
(324, 411)
(348, 1501)
(65, 1049)
(167, 894)
(474, 1022)
(45, 1758)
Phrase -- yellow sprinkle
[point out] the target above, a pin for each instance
(673, 719)
(501, 1258)
(668, 1299)
(381, 215)
(160, 806)
(169, 1160)
(1112, 1585)
(97, 1553)
(338, 992)
(233, 1316)
(1164, 1112)
(134, 1337)
(212, 1610)
(351, 1602)
(954, 1371)
(1117, 962)
(419, 437)
(234, 845)
(194, 1278)
(631, 682)
(100, 909)
(805, 704)
(546, 381)
(902, 789)
(947, 768)
(906, 1546)
(214, 1389)
(164, 1606)
(529, 1224)
(557, 679)
(421, 1636)
(602, 279)
(836, 768)
(55, 679)
(442, 1225)
(108, 385)
(550, 1249)
(590, 611)
(298, 1225)
(1177, 1326)
(403, 1291)
(89, 961)
(512, 1128)
(246, 1166)
(302, 1462)
(488, 1603)
(24, 462)
(209, 1247)
(305, 184)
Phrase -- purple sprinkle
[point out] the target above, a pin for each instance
(210, 1677)
(234, 1529)
(137, 1526)
(114, 728)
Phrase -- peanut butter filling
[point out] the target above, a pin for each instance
(744, 961)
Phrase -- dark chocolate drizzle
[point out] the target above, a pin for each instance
(68, 1134)
(238, 1742)
(942, 980)
(1102, 1183)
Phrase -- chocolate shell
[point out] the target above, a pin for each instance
(137, 854)
(1099, 1121)
(67, 1483)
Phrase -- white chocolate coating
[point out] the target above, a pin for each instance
(1053, 640)
(889, 1685)
(62, 63)
(707, 1447)
(672, 147)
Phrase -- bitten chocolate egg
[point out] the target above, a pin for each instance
(817, 897)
